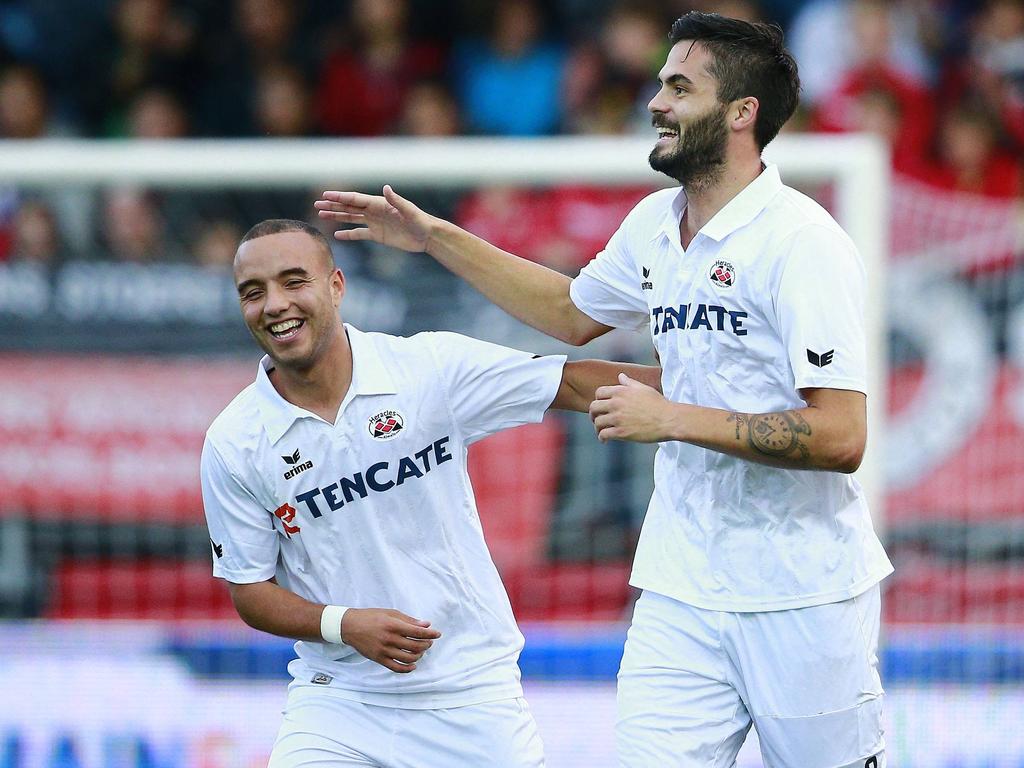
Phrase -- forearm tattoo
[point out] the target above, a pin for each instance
(779, 435)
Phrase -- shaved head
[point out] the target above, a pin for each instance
(277, 226)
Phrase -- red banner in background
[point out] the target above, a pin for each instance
(114, 438)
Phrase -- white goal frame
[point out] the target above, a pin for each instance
(856, 166)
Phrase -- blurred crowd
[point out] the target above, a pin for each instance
(941, 80)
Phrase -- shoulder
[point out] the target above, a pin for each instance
(238, 424)
(799, 217)
(654, 207)
(801, 230)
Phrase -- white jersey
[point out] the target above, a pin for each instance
(377, 511)
(767, 299)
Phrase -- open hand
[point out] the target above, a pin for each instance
(631, 410)
(388, 219)
(387, 636)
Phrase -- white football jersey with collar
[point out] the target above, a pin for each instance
(377, 510)
(767, 299)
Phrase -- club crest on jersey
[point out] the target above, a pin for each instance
(386, 425)
(722, 274)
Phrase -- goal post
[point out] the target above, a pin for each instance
(855, 167)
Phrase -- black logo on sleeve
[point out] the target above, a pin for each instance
(297, 468)
(218, 549)
(820, 360)
(872, 762)
(646, 285)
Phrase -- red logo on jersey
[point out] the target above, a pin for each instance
(386, 425)
(722, 274)
(286, 513)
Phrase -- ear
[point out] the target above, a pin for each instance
(743, 113)
(337, 283)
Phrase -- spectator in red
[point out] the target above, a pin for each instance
(875, 95)
(364, 85)
(971, 155)
(879, 100)
(561, 227)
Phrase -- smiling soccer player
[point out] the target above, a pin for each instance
(342, 469)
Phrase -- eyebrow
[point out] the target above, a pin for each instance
(283, 274)
(675, 80)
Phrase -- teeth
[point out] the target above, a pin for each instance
(284, 325)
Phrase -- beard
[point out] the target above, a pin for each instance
(698, 157)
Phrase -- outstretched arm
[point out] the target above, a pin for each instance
(383, 635)
(532, 293)
(829, 433)
(582, 378)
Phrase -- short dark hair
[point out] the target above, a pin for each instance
(747, 59)
(277, 226)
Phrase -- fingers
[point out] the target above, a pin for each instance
(414, 628)
(359, 233)
(351, 199)
(603, 393)
(343, 216)
(396, 666)
(599, 408)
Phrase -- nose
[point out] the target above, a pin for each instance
(277, 301)
(655, 105)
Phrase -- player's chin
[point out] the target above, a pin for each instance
(288, 355)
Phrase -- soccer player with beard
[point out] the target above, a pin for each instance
(757, 560)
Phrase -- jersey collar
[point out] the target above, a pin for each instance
(739, 211)
(745, 207)
(369, 377)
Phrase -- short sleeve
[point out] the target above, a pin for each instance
(245, 544)
(608, 288)
(820, 311)
(489, 387)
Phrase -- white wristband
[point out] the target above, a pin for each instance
(330, 623)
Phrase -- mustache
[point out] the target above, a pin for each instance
(661, 123)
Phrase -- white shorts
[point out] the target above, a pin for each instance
(692, 680)
(321, 730)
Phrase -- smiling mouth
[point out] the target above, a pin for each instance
(286, 329)
(667, 133)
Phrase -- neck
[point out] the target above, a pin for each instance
(322, 387)
(706, 198)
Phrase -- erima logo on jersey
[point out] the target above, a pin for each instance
(218, 549)
(693, 317)
(820, 360)
(646, 285)
(295, 470)
(385, 425)
(379, 477)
